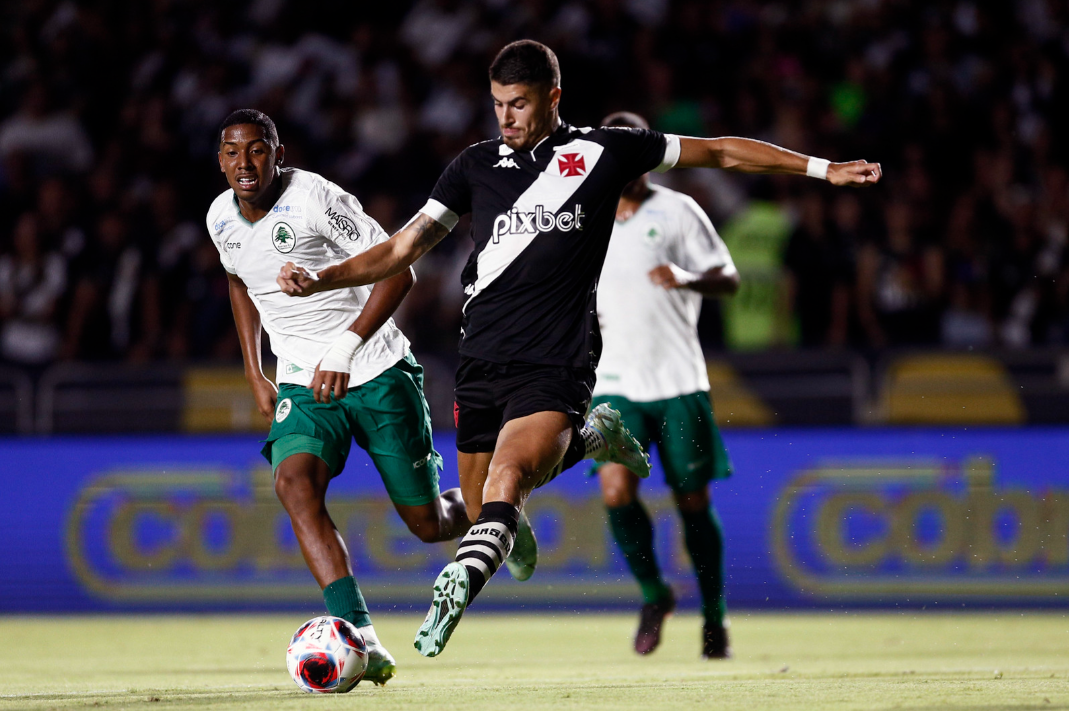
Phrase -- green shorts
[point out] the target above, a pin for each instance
(691, 449)
(388, 417)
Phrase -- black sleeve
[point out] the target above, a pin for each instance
(453, 188)
(637, 150)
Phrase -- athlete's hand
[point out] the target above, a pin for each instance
(265, 395)
(855, 174)
(297, 281)
(325, 382)
(669, 276)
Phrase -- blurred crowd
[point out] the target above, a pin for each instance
(109, 109)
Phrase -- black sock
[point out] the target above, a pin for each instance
(705, 543)
(487, 544)
(633, 531)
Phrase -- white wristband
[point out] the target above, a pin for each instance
(340, 355)
(683, 277)
(818, 168)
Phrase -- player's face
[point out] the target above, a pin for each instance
(524, 112)
(248, 160)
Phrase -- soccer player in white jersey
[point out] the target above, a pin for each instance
(542, 198)
(663, 258)
(344, 369)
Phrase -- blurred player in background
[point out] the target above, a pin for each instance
(664, 257)
(543, 199)
(344, 368)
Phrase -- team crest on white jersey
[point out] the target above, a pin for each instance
(283, 237)
(653, 234)
(506, 163)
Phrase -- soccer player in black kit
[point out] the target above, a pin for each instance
(543, 199)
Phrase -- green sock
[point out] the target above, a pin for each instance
(705, 543)
(633, 531)
(344, 600)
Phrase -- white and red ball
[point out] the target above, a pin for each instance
(327, 655)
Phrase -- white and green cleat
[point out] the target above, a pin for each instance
(620, 445)
(447, 607)
(522, 560)
(381, 666)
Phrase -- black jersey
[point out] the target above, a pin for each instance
(541, 222)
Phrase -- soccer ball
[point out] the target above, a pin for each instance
(327, 655)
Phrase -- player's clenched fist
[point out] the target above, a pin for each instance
(297, 281)
(856, 173)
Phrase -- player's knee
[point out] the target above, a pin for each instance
(616, 495)
(692, 501)
(617, 487)
(293, 488)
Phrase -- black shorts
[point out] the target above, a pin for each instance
(490, 394)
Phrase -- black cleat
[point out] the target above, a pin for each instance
(649, 623)
(715, 644)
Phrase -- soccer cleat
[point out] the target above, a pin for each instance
(715, 644)
(522, 560)
(649, 623)
(381, 666)
(620, 446)
(447, 606)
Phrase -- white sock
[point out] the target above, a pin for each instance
(593, 443)
(369, 635)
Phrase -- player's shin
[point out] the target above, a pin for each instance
(488, 543)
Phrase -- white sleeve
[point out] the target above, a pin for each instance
(672, 150)
(339, 217)
(701, 247)
(220, 245)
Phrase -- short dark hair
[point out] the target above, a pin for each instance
(525, 62)
(258, 118)
(625, 119)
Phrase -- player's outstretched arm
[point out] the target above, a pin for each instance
(380, 262)
(745, 155)
(247, 320)
(717, 281)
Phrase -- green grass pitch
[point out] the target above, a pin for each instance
(1005, 660)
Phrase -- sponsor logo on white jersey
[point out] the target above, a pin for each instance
(342, 225)
(288, 209)
(283, 237)
(515, 222)
(506, 163)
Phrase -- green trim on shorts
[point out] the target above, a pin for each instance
(288, 445)
(689, 443)
(388, 417)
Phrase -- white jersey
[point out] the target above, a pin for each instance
(314, 224)
(651, 349)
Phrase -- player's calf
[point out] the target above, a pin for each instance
(443, 519)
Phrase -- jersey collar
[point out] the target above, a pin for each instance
(284, 174)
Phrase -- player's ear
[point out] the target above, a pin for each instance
(280, 154)
(554, 97)
(219, 155)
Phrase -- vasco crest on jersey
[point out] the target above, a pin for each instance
(283, 237)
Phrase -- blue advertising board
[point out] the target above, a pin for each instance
(813, 518)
